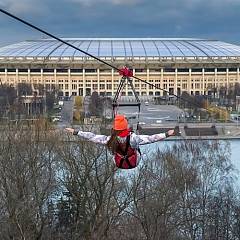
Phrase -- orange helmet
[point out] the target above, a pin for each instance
(120, 123)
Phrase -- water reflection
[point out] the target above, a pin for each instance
(234, 144)
(235, 155)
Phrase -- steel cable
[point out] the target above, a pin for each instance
(94, 57)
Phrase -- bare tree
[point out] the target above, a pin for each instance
(54, 186)
(174, 191)
(93, 195)
(26, 181)
(96, 105)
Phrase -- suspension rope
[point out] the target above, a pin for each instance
(56, 38)
(94, 57)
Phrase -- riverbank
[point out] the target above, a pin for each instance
(196, 131)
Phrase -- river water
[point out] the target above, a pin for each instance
(234, 145)
(235, 155)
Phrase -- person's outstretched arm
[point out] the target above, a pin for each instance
(101, 139)
(146, 139)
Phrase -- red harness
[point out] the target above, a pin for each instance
(125, 156)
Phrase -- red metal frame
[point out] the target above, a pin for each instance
(125, 72)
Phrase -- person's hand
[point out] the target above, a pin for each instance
(70, 130)
(171, 132)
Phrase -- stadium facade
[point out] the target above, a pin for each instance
(176, 65)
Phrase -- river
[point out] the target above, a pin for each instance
(235, 155)
(234, 145)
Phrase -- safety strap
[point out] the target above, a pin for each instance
(124, 154)
(139, 151)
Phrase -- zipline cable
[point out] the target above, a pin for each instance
(56, 38)
(94, 57)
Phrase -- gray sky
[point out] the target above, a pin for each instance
(211, 19)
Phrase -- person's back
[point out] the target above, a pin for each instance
(122, 143)
(125, 156)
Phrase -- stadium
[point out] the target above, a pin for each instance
(196, 66)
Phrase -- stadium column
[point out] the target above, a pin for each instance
(69, 82)
(147, 81)
(215, 81)
(238, 79)
(227, 71)
(5, 77)
(189, 83)
(201, 85)
(55, 78)
(161, 82)
(98, 81)
(29, 78)
(42, 79)
(112, 81)
(204, 82)
(193, 86)
(175, 82)
(16, 79)
(84, 83)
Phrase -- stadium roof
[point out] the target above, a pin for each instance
(122, 47)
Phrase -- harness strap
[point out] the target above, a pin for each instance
(139, 151)
(124, 153)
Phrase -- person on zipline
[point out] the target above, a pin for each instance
(123, 143)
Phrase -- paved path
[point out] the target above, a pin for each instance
(66, 114)
(153, 114)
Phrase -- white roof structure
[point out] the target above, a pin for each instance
(122, 48)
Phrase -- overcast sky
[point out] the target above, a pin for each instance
(211, 19)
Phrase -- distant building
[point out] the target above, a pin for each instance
(176, 65)
(238, 104)
(33, 104)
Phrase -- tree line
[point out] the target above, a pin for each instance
(12, 99)
(56, 186)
